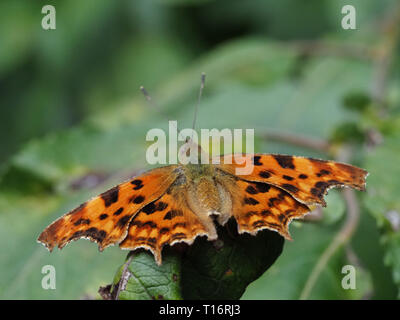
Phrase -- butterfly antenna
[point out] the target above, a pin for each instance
(150, 100)
(203, 80)
(146, 95)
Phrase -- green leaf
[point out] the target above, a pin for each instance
(148, 281)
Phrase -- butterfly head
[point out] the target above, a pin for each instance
(193, 152)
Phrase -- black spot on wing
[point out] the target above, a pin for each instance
(290, 188)
(321, 185)
(264, 174)
(316, 192)
(178, 235)
(256, 161)
(284, 161)
(259, 223)
(93, 233)
(250, 214)
(103, 216)
(173, 213)
(251, 201)
(161, 206)
(118, 212)
(266, 213)
(271, 202)
(81, 221)
(282, 217)
(251, 190)
(164, 230)
(323, 172)
(263, 187)
(179, 224)
(111, 196)
(137, 199)
(123, 221)
(138, 184)
(150, 208)
(151, 224)
(136, 223)
(319, 188)
(96, 234)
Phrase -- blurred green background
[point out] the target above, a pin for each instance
(73, 122)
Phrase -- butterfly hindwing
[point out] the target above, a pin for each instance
(165, 221)
(257, 206)
(105, 218)
(306, 179)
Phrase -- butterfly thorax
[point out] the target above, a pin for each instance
(203, 187)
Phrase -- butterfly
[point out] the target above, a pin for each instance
(178, 203)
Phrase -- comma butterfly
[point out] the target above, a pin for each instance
(178, 203)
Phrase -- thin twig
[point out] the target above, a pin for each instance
(342, 237)
(355, 261)
(124, 277)
(298, 140)
(345, 233)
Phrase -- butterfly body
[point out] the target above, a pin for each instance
(203, 187)
(178, 203)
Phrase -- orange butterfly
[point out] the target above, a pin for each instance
(178, 203)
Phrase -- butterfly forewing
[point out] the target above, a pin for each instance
(105, 218)
(306, 179)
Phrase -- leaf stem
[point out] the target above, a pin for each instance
(124, 276)
(343, 236)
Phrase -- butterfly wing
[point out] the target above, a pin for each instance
(280, 188)
(105, 218)
(166, 221)
(306, 179)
